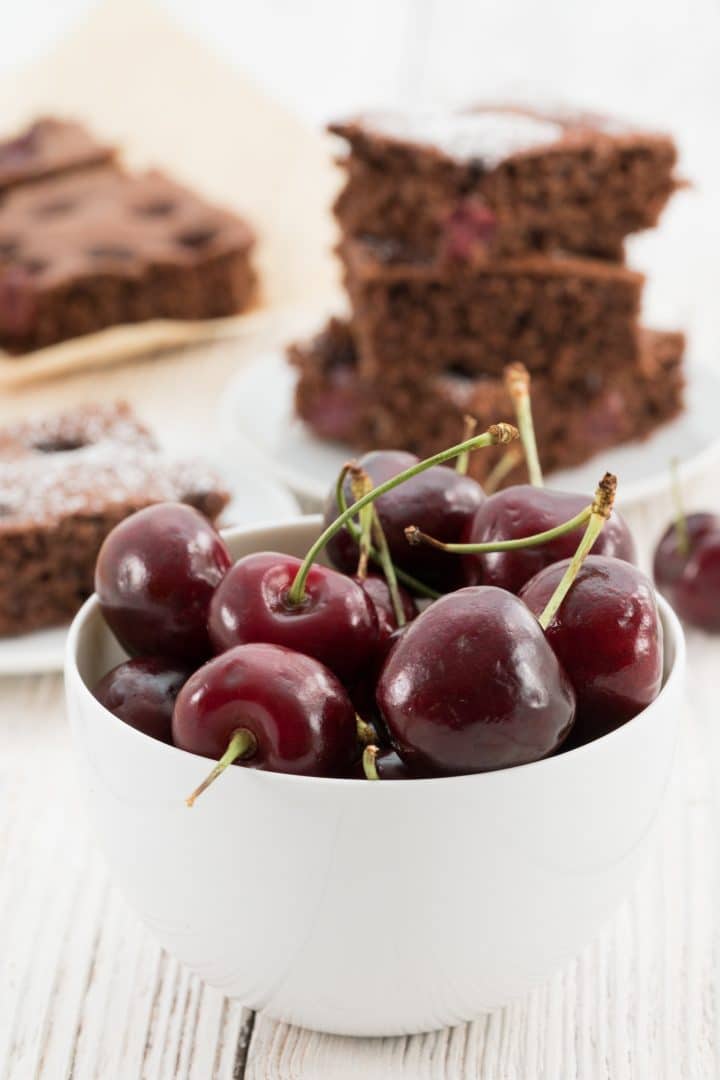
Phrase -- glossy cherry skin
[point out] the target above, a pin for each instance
(473, 685)
(522, 511)
(608, 636)
(375, 587)
(336, 623)
(142, 692)
(297, 710)
(155, 576)
(439, 501)
(691, 581)
(363, 690)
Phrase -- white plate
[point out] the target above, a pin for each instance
(257, 423)
(255, 499)
(32, 654)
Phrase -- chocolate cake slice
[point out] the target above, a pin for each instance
(65, 482)
(560, 316)
(103, 247)
(573, 421)
(47, 147)
(496, 181)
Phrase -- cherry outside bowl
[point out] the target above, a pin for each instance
(370, 908)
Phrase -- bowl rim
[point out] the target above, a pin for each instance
(75, 683)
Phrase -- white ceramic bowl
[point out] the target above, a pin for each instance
(370, 908)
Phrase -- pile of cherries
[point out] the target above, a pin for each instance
(523, 647)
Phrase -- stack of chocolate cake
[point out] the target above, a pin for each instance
(475, 238)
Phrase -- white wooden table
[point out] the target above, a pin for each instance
(85, 992)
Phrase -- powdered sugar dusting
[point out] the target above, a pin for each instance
(90, 462)
(486, 135)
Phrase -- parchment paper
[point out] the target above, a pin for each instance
(138, 79)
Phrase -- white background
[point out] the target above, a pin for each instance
(657, 60)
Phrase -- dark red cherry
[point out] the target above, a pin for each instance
(690, 579)
(440, 501)
(524, 510)
(142, 692)
(363, 690)
(375, 587)
(336, 622)
(155, 575)
(608, 636)
(473, 685)
(295, 714)
(670, 559)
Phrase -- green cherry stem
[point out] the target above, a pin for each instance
(496, 433)
(682, 536)
(361, 484)
(388, 569)
(412, 583)
(510, 460)
(366, 733)
(469, 429)
(517, 384)
(242, 745)
(601, 510)
(370, 526)
(416, 536)
(369, 763)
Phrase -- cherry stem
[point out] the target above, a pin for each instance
(360, 484)
(388, 569)
(412, 583)
(517, 384)
(243, 744)
(601, 510)
(371, 526)
(415, 536)
(682, 536)
(469, 429)
(510, 459)
(365, 732)
(369, 762)
(496, 433)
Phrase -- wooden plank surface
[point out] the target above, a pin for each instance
(84, 991)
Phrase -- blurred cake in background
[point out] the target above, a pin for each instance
(85, 244)
(475, 238)
(65, 482)
(497, 181)
(47, 148)
(571, 422)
